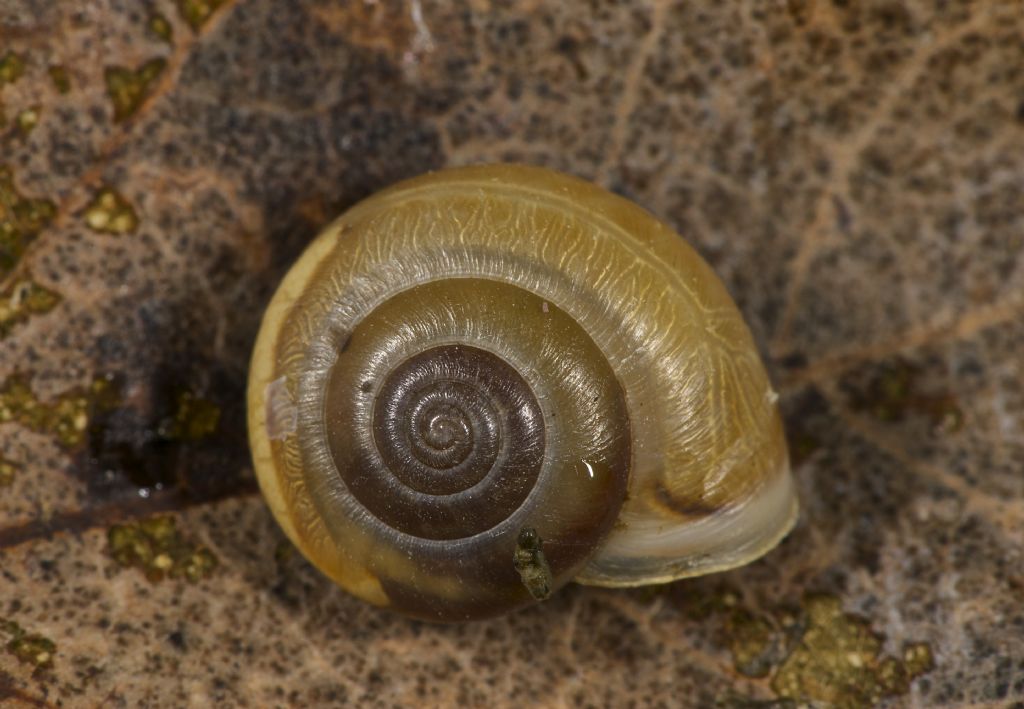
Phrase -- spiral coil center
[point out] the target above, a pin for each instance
(441, 419)
(443, 430)
(455, 425)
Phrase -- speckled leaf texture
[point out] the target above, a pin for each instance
(854, 170)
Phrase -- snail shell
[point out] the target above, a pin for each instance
(484, 382)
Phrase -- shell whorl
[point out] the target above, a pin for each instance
(517, 350)
(446, 420)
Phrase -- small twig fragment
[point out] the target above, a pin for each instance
(529, 561)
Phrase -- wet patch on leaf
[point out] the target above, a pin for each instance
(128, 88)
(159, 550)
(28, 648)
(21, 300)
(178, 430)
(197, 12)
(21, 220)
(110, 213)
(194, 418)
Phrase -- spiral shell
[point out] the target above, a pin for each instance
(482, 383)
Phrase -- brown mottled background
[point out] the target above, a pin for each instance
(853, 169)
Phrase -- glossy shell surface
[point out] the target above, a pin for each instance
(484, 351)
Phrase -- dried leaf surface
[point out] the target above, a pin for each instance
(853, 170)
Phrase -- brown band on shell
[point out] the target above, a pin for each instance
(426, 448)
(458, 443)
(690, 507)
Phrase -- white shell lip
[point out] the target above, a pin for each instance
(649, 551)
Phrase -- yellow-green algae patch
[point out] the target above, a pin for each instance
(28, 119)
(159, 550)
(67, 417)
(29, 648)
(12, 67)
(815, 655)
(8, 469)
(194, 418)
(161, 27)
(197, 12)
(917, 660)
(23, 299)
(110, 213)
(59, 77)
(21, 220)
(837, 661)
(128, 88)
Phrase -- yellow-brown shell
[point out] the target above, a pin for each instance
(579, 356)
